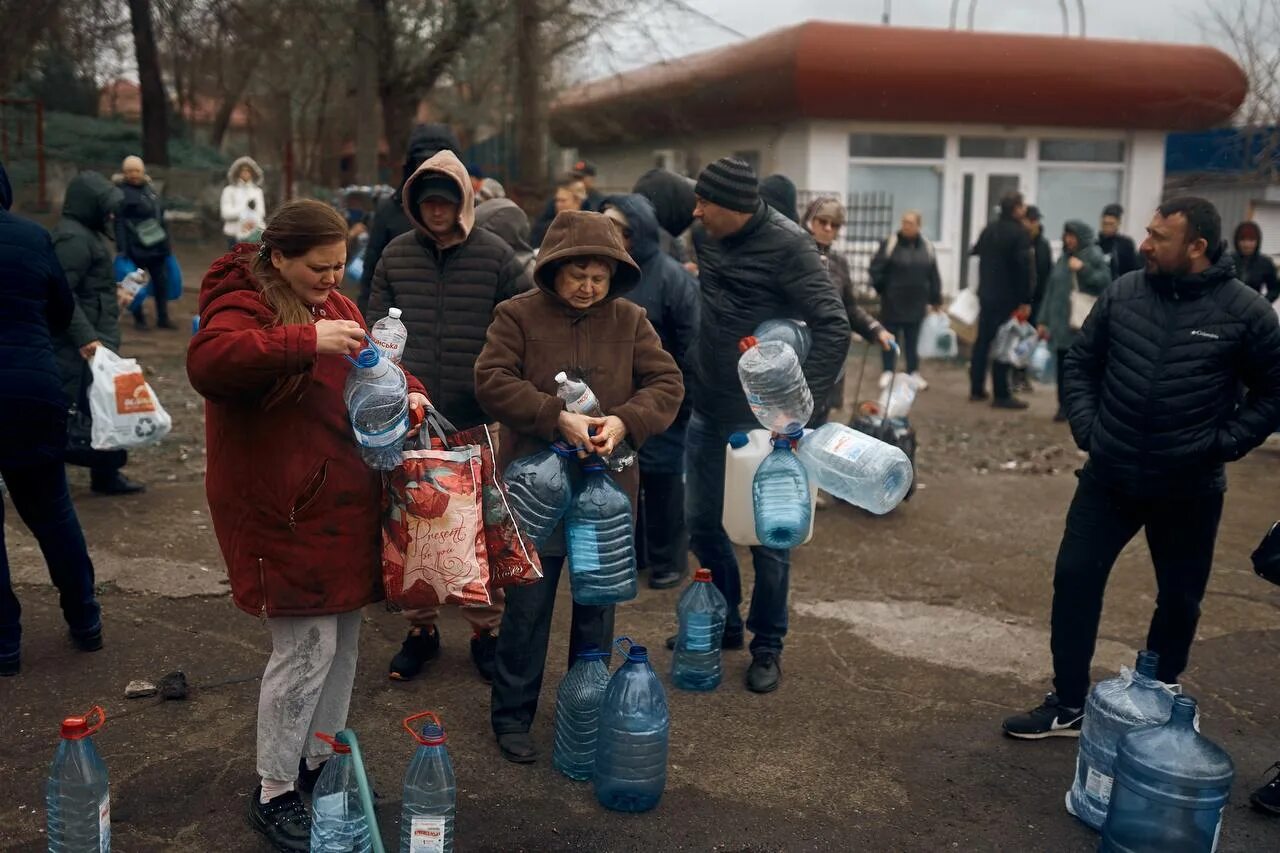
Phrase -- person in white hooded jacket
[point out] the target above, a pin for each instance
(243, 204)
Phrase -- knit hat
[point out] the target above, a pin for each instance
(730, 183)
(436, 186)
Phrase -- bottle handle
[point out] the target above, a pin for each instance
(371, 343)
(425, 715)
(626, 653)
(95, 712)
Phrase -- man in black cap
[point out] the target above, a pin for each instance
(754, 265)
(445, 275)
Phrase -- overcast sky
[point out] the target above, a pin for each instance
(1147, 20)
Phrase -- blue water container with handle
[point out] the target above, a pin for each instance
(780, 498)
(631, 748)
(1171, 788)
(578, 714)
(600, 536)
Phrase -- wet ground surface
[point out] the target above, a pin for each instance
(911, 637)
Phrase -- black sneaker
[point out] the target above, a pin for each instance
(483, 650)
(283, 821)
(1051, 719)
(665, 577)
(421, 646)
(517, 747)
(764, 673)
(1267, 798)
(1013, 404)
(729, 640)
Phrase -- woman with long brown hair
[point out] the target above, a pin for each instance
(295, 508)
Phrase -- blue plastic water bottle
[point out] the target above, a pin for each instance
(1171, 788)
(540, 491)
(578, 714)
(702, 612)
(601, 542)
(780, 497)
(430, 792)
(631, 752)
(338, 823)
(77, 795)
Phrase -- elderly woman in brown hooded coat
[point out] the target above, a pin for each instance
(573, 321)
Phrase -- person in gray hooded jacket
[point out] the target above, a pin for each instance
(502, 216)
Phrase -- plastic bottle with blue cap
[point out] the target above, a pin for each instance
(744, 452)
(635, 724)
(377, 398)
(780, 498)
(601, 541)
(430, 790)
(578, 714)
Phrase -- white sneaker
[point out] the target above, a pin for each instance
(921, 385)
(885, 379)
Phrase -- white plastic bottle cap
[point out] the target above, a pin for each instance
(394, 313)
(562, 377)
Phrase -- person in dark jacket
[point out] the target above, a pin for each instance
(779, 192)
(1004, 286)
(904, 272)
(36, 305)
(1252, 267)
(79, 240)
(673, 201)
(141, 236)
(389, 220)
(1153, 396)
(583, 173)
(1082, 267)
(1042, 258)
(503, 217)
(669, 296)
(446, 276)
(755, 265)
(1121, 252)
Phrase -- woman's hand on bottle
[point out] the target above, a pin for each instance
(338, 337)
(608, 435)
(576, 430)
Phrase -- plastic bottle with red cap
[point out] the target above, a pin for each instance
(338, 822)
(430, 792)
(77, 795)
(702, 612)
(775, 386)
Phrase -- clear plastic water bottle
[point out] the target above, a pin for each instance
(631, 751)
(856, 468)
(390, 336)
(775, 385)
(702, 612)
(898, 396)
(540, 491)
(1115, 707)
(581, 400)
(793, 332)
(77, 795)
(601, 542)
(377, 398)
(1171, 788)
(578, 714)
(1042, 367)
(338, 822)
(780, 498)
(430, 792)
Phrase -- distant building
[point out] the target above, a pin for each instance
(1236, 168)
(892, 119)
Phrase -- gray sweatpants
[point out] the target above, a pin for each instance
(306, 689)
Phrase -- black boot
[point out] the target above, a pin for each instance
(113, 483)
(419, 647)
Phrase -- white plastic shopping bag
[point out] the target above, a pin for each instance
(125, 411)
(937, 338)
(965, 307)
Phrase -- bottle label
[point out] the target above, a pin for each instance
(104, 824)
(697, 637)
(583, 403)
(426, 835)
(1098, 785)
(848, 447)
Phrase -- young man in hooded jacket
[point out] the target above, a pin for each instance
(446, 276)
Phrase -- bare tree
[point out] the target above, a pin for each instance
(155, 103)
(1251, 33)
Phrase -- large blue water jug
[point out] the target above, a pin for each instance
(338, 822)
(780, 498)
(1171, 788)
(430, 792)
(377, 398)
(540, 490)
(702, 612)
(601, 541)
(77, 795)
(1116, 707)
(578, 714)
(631, 750)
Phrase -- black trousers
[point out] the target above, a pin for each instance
(664, 537)
(909, 336)
(989, 323)
(159, 289)
(521, 656)
(1061, 364)
(1181, 531)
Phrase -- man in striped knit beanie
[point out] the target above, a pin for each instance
(754, 265)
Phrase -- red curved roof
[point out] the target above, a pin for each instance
(846, 71)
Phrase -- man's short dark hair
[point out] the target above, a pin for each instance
(1202, 219)
(1113, 210)
(1010, 202)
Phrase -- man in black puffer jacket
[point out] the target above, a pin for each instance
(1004, 286)
(1152, 391)
(446, 276)
(755, 265)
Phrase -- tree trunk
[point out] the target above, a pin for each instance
(155, 104)
(531, 151)
(366, 89)
(230, 100)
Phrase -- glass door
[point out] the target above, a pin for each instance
(983, 188)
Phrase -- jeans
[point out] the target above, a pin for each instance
(989, 323)
(39, 494)
(521, 656)
(704, 507)
(1180, 529)
(908, 334)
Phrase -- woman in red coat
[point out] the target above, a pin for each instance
(295, 508)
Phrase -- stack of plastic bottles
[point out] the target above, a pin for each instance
(377, 398)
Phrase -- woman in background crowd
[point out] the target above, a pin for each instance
(1252, 267)
(905, 274)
